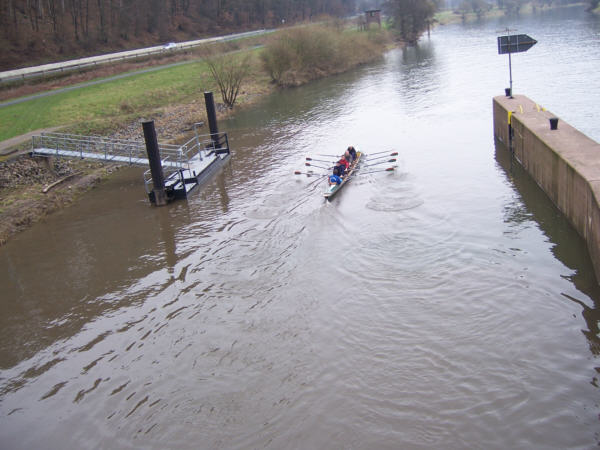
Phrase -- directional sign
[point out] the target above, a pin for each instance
(515, 43)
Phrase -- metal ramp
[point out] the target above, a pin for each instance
(100, 148)
(184, 166)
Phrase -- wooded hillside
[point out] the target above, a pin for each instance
(36, 31)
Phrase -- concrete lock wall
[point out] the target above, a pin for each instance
(564, 162)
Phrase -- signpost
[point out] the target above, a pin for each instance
(515, 43)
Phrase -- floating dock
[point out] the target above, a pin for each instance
(181, 182)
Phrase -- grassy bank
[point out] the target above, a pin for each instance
(104, 106)
(104, 101)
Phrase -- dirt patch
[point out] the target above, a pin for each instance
(22, 180)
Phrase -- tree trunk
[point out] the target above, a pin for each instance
(75, 18)
(52, 14)
(102, 20)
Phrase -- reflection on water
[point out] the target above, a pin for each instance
(568, 247)
(446, 304)
(419, 74)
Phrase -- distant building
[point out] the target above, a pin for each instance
(373, 16)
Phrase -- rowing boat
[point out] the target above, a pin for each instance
(335, 188)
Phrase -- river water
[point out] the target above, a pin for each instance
(447, 304)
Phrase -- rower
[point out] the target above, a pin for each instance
(348, 157)
(334, 179)
(352, 152)
(344, 162)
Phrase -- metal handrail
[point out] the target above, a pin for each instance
(103, 146)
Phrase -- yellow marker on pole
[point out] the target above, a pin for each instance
(509, 116)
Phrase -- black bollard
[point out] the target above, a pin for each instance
(158, 179)
(212, 118)
(554, 123)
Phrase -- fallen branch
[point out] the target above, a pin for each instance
(62, 180)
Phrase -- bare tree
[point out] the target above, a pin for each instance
(229, 71)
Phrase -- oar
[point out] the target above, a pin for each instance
(309, 174)
(384, 156)
(380, 162)
(389, 169)
(378, 153)
(318, 180)
(320, 160)
(314, 165)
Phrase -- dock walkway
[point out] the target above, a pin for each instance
(185, 166)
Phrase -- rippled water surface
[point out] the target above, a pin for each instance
(445, 305)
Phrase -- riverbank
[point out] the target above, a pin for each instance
(449, 16)
(172, 97)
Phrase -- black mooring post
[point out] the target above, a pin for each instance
(158, 179)
(212, 118)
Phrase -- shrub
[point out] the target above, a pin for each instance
(229, 70)
(306, 53)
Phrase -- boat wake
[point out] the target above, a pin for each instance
(391, 204)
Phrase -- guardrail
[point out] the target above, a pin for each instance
(67, 66)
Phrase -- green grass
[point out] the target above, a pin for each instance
(134, 95)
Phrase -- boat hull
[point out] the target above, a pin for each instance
(335, 188)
